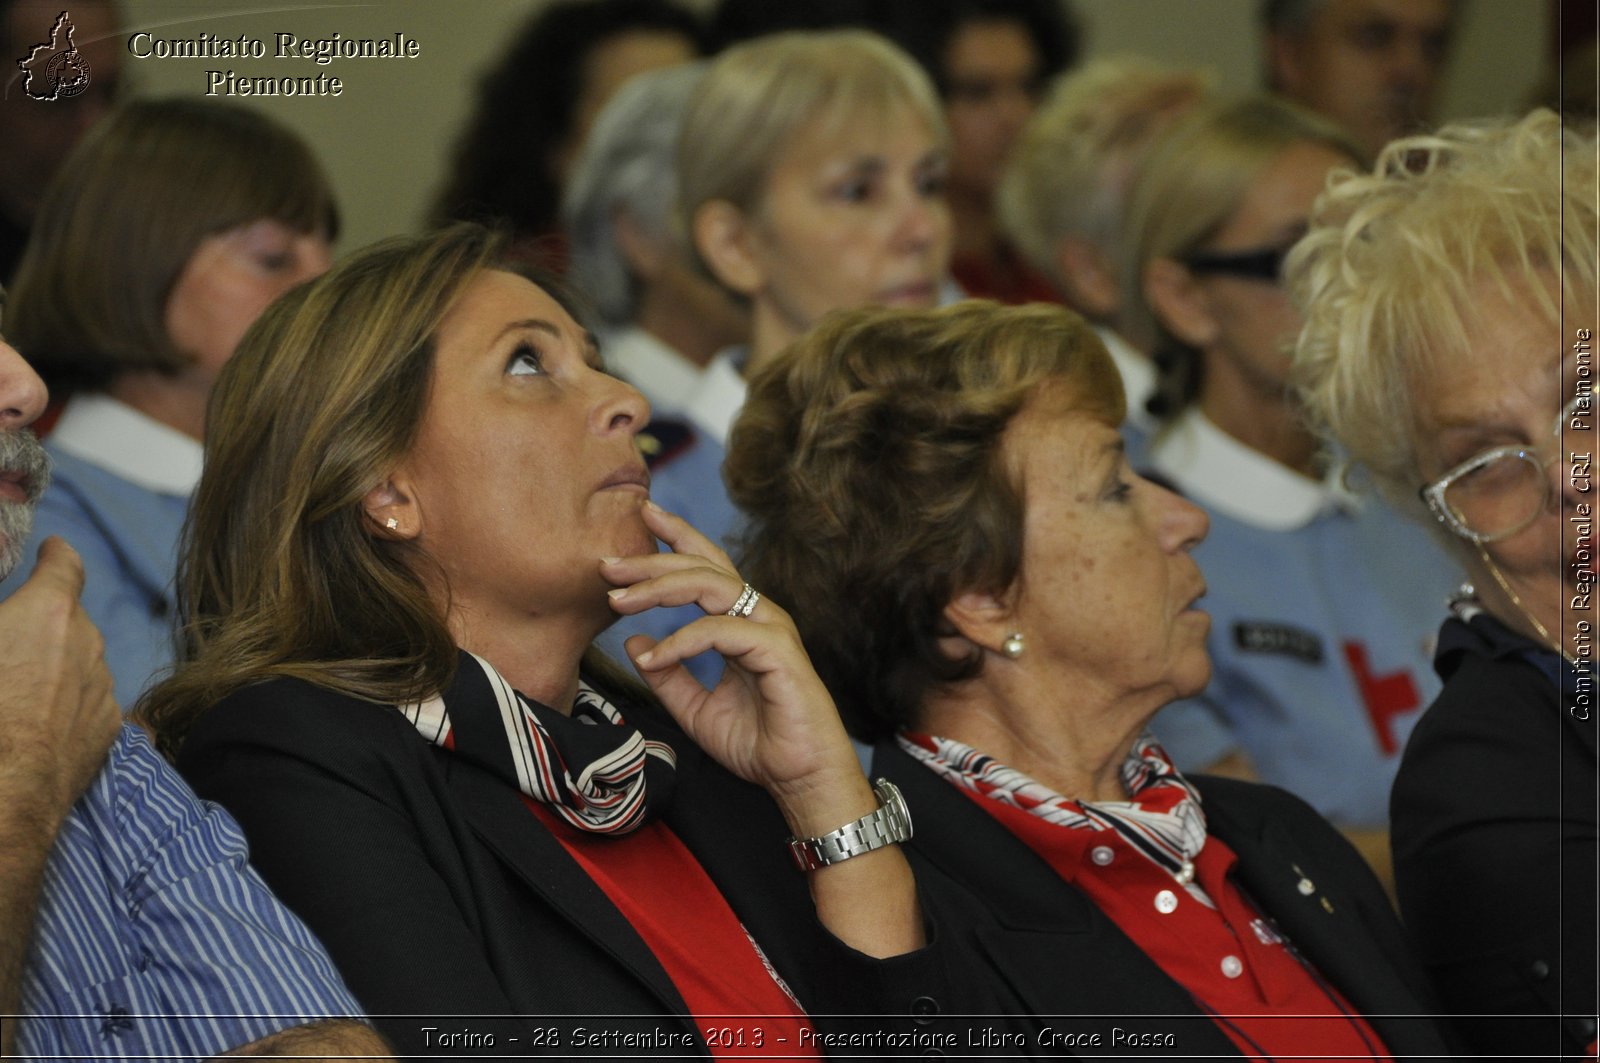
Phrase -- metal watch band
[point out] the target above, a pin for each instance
(890, 823)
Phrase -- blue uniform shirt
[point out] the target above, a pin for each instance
(119, 488)
(1323, 613)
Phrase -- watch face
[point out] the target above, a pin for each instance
(896, 825)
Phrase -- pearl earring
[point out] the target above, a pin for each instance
(1013, 645)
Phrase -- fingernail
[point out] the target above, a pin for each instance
(644, 658)
(649, 503)
(616, 593)
(609, 560)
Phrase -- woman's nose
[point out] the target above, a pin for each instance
(922, 221)
(622, 407)
(1187, 524)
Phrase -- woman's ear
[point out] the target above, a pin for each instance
(644, 255)
(1180, 303)
(1088, 279)
(391, 512)
(725, 239)
(978, 618)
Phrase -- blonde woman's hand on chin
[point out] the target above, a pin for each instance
(770, 721)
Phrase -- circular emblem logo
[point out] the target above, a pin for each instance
(67, 74)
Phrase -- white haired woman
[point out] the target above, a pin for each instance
(663, 318)
(1451, 310)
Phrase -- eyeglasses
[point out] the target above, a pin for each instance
(1262, 265)
(1498, 493)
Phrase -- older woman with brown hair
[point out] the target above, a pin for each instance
(1451, 306)
(993, 595)
(422, 502)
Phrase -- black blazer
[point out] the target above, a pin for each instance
(1060, 959)
(451, 910)
(1495, 845)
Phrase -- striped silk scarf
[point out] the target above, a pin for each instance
(593, 770)
(1162, 820)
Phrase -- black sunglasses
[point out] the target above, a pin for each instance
(1265, 265)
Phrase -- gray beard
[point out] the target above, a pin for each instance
(20, 452)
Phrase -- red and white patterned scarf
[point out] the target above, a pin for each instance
(593, 770)
(1162, 820)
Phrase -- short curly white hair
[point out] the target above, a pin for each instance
(1387, 273)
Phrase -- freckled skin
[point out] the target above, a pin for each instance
(1107, 580)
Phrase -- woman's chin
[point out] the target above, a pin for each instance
(1193, 680)
(632, 538)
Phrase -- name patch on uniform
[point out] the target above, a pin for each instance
(1260, 637)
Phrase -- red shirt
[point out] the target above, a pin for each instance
(1231, 958)
(741, 1006)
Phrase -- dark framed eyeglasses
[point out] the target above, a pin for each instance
(1262, 265)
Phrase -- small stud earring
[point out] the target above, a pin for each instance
(391, 524)
(1013, 645)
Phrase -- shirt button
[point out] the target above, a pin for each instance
(923, 1009)
(1102, 855)
(1232, 966)
(1166, 902)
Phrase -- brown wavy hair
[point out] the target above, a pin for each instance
(279, 574)
(869, 461)
(126, 214)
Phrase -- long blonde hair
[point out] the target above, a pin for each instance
(279, 574)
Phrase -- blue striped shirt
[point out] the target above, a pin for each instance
(153, 934)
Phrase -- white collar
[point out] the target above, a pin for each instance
(1226, 476)
(1138, 374)
(717, 403)
(119, 439)
(666, 378)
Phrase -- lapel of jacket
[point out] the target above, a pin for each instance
(498, 816)
(1318, 911)
(1055, 949)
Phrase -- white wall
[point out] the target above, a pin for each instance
(386, 138)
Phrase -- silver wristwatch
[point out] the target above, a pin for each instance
(891, 823)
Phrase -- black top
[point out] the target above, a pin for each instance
(440, 896)
(1494, 833)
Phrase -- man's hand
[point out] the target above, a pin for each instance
(58, 715)
(57, 719)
